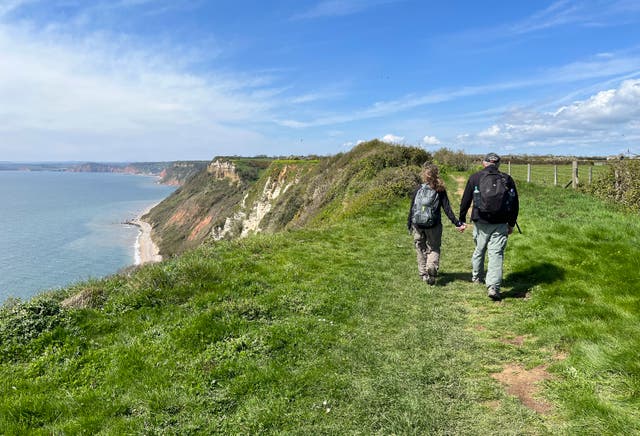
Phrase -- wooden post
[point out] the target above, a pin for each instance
(590, 173)
(509, 167)
(528, 173)
(574, 175)
(555, 175)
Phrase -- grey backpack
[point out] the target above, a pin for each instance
(425, 208)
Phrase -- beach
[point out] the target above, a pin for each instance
(146, 251)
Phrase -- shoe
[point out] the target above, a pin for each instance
(424, 277)
(431, 276)
(477, 281)
(494, 293)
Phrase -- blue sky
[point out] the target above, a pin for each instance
(149, 80)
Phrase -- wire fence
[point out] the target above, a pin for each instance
(565, 175)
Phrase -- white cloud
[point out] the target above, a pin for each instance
(605, 118)
(490, 132)
(319, 95)
(8, 6)
(337, 8)
(94, 91)
(430, 140)
(393, 138)
(621, 65)
(559, 14)
(613, 106)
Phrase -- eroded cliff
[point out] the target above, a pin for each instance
(236, 197)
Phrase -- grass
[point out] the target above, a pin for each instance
(329, 331)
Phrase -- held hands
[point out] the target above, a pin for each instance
(461, 227)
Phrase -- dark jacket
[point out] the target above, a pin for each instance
(467, 197)
(444, 204)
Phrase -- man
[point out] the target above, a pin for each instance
(494, 214)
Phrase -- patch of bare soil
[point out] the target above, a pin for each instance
(523, 384)
(561, 355)
(493, 405)
(461, 182)
(517, 341)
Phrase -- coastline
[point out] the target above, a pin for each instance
(146, 251)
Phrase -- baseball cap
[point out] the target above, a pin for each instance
(492, 157)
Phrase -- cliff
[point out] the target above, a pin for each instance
(235, 197)
(170, 173)
(186, 218)
(177, 173)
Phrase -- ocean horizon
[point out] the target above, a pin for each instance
(60, 228)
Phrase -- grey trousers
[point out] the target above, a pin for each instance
(427, 242)
(492, 240)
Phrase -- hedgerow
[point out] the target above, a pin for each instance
(620, 184)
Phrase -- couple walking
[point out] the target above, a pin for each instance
(494, 214)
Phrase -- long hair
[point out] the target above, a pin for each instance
(431, 176)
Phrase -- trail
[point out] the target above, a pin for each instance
(461, 181)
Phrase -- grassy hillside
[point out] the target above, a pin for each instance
(327, 330)
(262, 194)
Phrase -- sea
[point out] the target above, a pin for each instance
(59, 228)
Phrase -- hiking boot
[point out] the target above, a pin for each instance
(431, 276)
(494, 293)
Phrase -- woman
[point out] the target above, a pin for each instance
(425, 221)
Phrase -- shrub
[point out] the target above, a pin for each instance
(21, 323)
(380, 155)
(621, 183)
(452, 160)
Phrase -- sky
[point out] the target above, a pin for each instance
(162, 80)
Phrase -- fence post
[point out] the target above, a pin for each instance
(574, 175)
(590, 173)
(555, 175)
(509, 167)
(528, 173)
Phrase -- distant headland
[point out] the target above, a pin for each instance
(169, 173)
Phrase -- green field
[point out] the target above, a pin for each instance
(329, 331)
(543, 174)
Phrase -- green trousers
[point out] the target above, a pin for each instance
(490, 239)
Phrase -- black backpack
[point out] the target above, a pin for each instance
(425, 208)
(492, 196)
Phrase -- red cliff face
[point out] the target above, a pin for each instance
(166, 179)
(130, 170)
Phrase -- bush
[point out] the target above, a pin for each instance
(382, 156)
(452, 160)
(621, 183)
(21, 323)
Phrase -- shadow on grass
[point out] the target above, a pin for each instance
(521, 282)
(445, 278)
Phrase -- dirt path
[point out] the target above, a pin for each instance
(461, 182)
